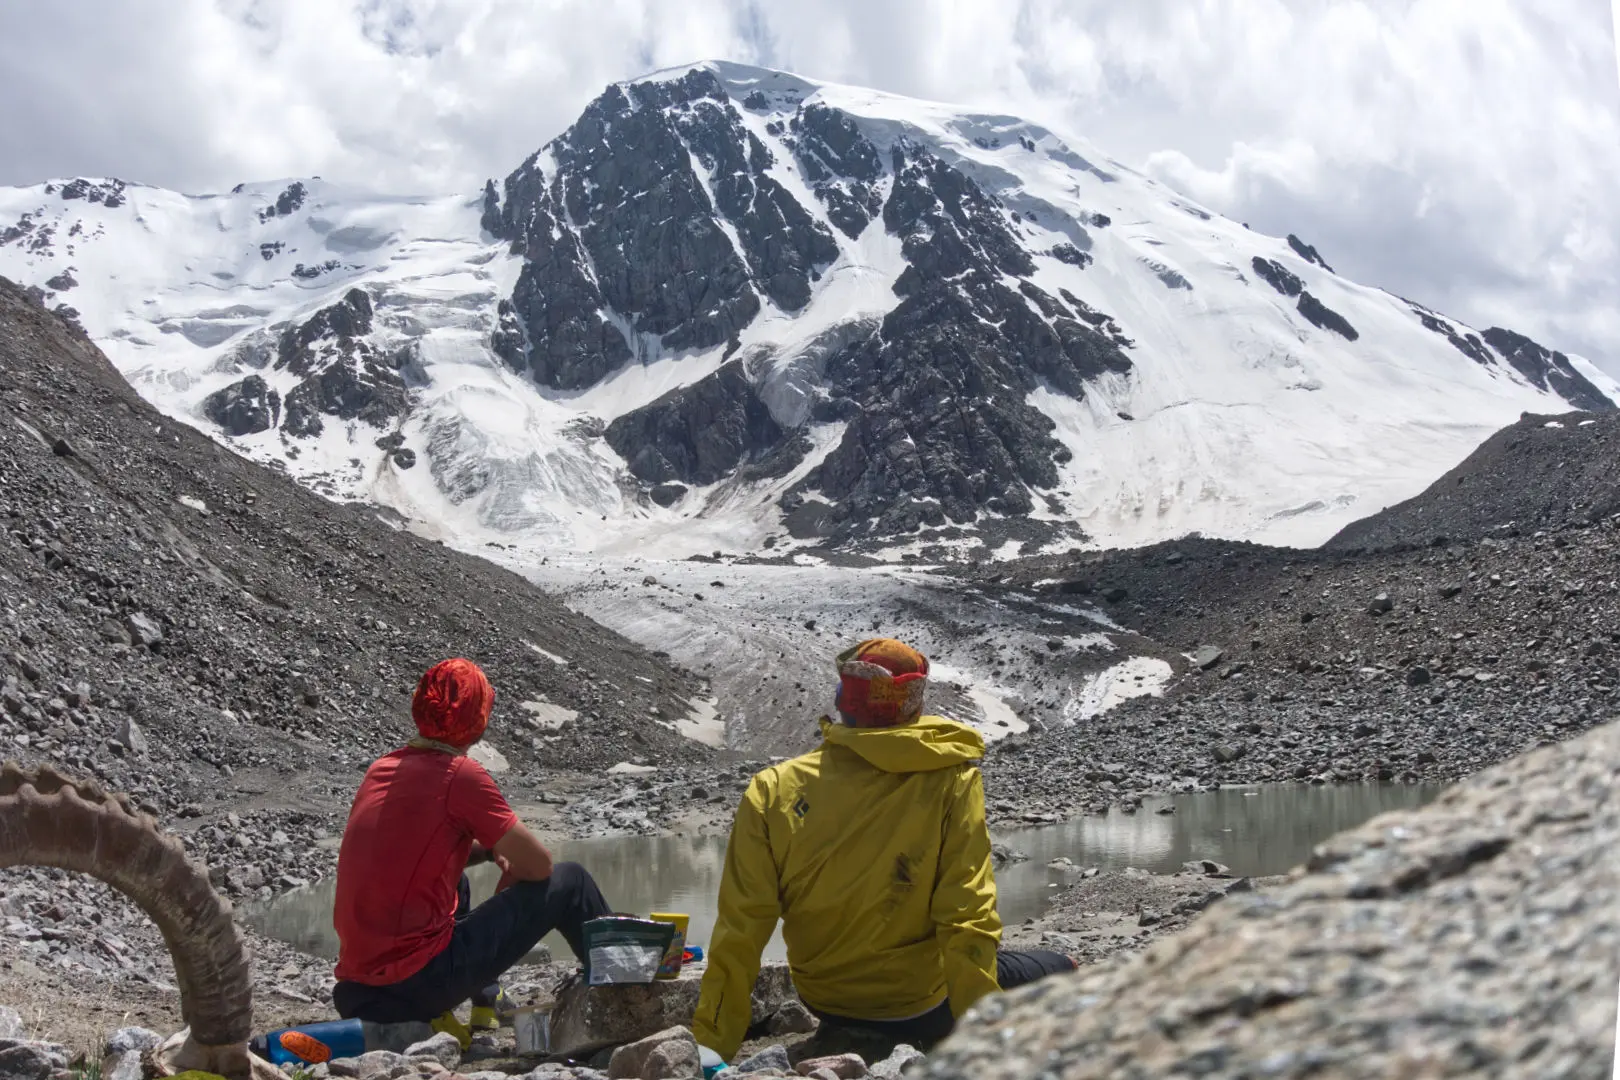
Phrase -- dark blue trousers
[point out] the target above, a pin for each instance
(487, 940)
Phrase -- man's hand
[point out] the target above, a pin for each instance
(521, 857)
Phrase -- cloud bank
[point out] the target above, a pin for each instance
(1460, 152)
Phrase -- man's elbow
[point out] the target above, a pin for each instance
(525, 858)
(532, 866)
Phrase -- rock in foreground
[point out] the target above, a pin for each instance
(1475, 937)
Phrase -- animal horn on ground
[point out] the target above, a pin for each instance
(47, 819)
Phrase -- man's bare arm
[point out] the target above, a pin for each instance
(522, 856)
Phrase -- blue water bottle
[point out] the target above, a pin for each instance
(311, 1044)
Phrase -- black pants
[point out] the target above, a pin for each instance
(486, 941)
(1013, 969)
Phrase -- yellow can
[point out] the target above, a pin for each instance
(670, 968)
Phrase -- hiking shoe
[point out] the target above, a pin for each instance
(491, 1012)
(449, 1023)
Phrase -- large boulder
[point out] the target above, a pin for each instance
(443, 1047)
(1474, 937)
(671, 1054)
(904, 1058)
(26, 1059)
(588, 1018)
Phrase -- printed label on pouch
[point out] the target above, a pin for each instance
(624, 964)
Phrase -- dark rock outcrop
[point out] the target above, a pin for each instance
(938, 426)
(1072, 255)
(287, 203)
(109, 193)
(624, 232)
(667, 494)
(245, 407)
(344, 375)
(1466, 343)
(1278, 276)
(68, 314)
(490, 219)
(1541, 367)
(1307, 252)
(841, 164)
(310, 273)
(784, 246)
(697, 434)
(1473, 937)
(342, 372)
(1546, 369)
(1320, 315)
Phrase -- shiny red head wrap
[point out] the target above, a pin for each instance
(452, 702)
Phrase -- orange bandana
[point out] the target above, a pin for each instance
(452, 703)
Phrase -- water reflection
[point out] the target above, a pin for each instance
(1263, 830)
(1256, 831)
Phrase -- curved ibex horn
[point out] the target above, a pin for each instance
(47, 819)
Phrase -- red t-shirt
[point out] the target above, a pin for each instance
(410, 830)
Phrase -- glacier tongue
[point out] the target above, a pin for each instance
(732, 304)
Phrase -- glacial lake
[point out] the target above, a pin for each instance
(1256, 831)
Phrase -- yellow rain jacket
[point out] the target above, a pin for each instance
(873, 851)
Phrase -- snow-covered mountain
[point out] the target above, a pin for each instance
(731, 307)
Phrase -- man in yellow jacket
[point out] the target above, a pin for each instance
(873, 851)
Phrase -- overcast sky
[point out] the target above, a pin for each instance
(1465, 153)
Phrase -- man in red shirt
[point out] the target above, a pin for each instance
(421, 816)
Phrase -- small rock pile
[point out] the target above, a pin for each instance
(672, 1054)
(23, 1058)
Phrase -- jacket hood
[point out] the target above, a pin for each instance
(924, 745)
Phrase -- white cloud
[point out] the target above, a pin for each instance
(1462, 152)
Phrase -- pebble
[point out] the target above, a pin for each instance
(772, 1057)
(839, 1066)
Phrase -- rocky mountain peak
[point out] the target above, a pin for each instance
(673, 214)
(730, 292)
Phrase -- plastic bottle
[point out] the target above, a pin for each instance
(713, 1064)
(311, 1044)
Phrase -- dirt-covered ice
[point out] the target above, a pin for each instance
(764, 636)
